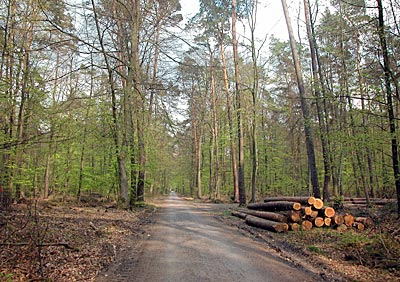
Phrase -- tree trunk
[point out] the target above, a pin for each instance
(318, 85)
(139, 98)
(121, 158)
(197, 150)
(230, 121)
(254, 92)
(304, 106)
(215, 135)
(239, 109)
(389, 98)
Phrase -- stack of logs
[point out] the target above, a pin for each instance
(356, 203)
(280, 214)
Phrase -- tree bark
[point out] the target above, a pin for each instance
(254, 93)
(318, 86)
(239, 109)
(304, 106)
(302, 200)
(389, 98)
(275, 206)
(267, 224)
(121, 157)
(266, 215)
(239, 214)
(230, 121)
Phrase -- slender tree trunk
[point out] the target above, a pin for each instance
(140, 99)
(198, 168)
(120, 154)
(197, 162)
(364, 118)
(83, 148)
(230, 122)
(6, 118)
(210, 168)
(318, 88)
(142, 160)
(254, 92)
(304, 106)
(355, 148)
(23, 106)
(389, 100)
(214, 160)
(239, 109)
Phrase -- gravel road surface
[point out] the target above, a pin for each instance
(187, 243)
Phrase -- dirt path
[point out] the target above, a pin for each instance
(188, 244)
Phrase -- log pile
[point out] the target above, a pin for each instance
(281, 214)
(357, 203)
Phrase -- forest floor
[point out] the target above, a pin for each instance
(364, 256)
(66, 241)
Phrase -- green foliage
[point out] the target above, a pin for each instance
(227, 212)
(351, 239)
(315, 249)
(6, 277)
(338, 201)
(68, 108)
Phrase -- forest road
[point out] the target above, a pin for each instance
(187, 243)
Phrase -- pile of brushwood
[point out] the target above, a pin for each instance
(281, 214)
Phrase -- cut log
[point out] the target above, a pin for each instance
(328, 211)
(239, 214)
(296, 206)
(319, 221)
(314, 214)
(318, 204)
(294, 216)
(301, 200)
(311, 201)
(306, 225)
(350, 206)
(359, 226)
(327, 221)
(348, 220)
(350, 199)
(275, 206)
(294, 226)
(367, 221)
(267, 224)
(266, 215)
(338, 219)
(374, 201)
(341, 227)
(308, 210)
